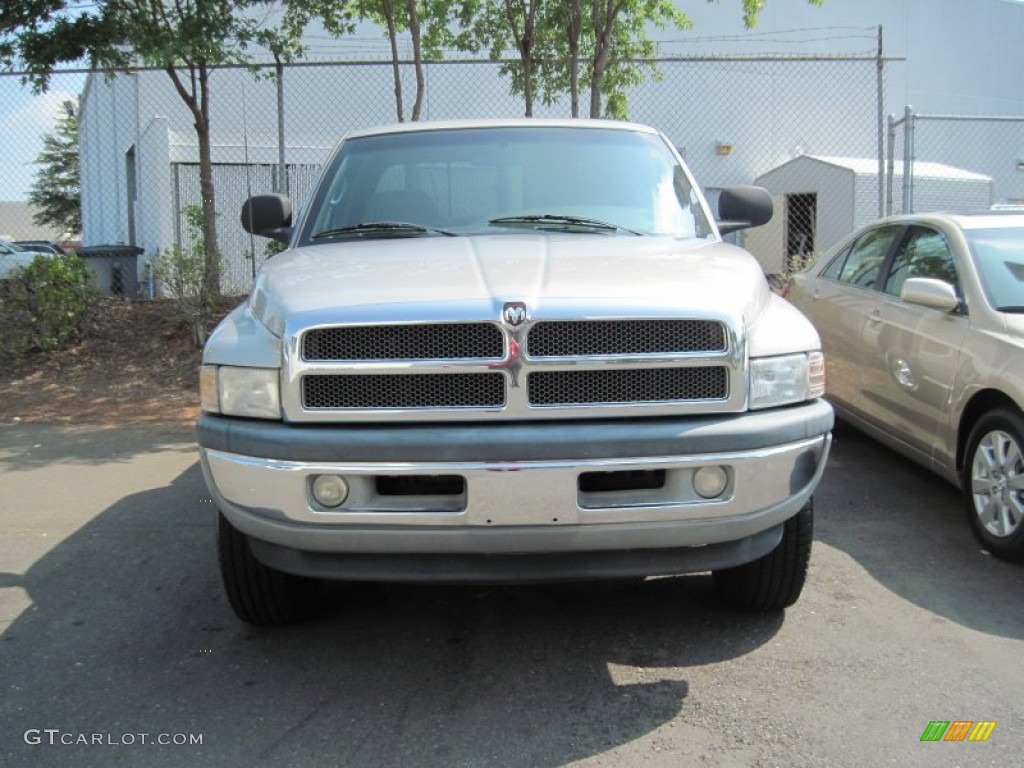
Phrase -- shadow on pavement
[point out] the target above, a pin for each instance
(128, 632)
(907, 527)
(24, 446)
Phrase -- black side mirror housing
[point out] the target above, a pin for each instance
(268, 216)
(742, 207)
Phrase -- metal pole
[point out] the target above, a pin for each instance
(248, 182)
(891, 170)
(880, 86)
(908, 159)
(282, 167)
(136, 208)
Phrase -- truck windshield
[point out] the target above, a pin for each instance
(506, 179)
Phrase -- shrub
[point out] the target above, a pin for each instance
(274, 247)
(43, 305)
(180, 272)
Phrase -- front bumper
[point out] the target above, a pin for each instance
(521, 503)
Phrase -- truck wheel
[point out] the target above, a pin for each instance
(993, 483)
(258, 594)
(774, 581)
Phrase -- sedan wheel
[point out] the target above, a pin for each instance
(994, 483)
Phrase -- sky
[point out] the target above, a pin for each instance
(25, 118)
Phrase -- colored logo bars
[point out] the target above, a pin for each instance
(958, 730)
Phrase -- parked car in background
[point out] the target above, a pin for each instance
(45, 246)
(13, 256)
(922, 323)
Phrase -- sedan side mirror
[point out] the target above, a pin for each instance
(929, 292)
(268, 216)
(742, 207)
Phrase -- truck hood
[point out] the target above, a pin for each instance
(427, 279)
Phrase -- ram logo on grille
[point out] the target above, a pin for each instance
(514, 313)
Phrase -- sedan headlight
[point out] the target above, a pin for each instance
(251, 392)
(786, 379)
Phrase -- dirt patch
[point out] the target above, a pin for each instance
(132, 365)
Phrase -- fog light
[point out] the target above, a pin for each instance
(329, 490)
(710, 482)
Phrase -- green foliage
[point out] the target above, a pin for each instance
(186, 39)
(57, 191)
(180, 273)
(274, 247)
(795, 263)
(43, 305)
(752, 9)
(426, 22)
(563, 44)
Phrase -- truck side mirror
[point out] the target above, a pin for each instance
(268, 216)
(742, 207)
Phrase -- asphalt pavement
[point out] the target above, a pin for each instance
(118, 648)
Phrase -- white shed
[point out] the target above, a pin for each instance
(819, 200)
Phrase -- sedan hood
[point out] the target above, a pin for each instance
(426, 279)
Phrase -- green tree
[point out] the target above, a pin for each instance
(618, 30)
(564, 43)
(498, 26)
(559, 42)
(56, 192)
(424, 20)
(184, 38)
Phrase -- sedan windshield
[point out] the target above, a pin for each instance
(502, 180)
(999, 254)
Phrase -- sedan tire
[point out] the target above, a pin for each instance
(993, 483)
(774, 581)
(258, 594)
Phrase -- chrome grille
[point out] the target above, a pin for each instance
(408, 391)
(442, 341)
(644, 385)
(624, 337)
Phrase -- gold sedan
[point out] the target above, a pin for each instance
(921, 320)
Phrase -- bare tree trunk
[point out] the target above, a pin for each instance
(417, 56)
(528, 87)
(603, 14)
(212, 270)
(524, 43)
(396, 74)
(197, 98)
(575, 28)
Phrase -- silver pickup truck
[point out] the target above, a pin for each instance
(504, 352)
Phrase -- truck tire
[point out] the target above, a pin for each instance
(773, 581)
(260, 595)
(992, 478)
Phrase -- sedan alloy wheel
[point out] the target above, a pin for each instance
(994, 487)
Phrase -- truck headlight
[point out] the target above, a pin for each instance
(251, 392)
(786, 379)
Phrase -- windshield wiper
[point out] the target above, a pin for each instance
(549, 218)
(1012, 308)
(397, 228)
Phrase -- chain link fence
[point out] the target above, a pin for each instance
(956, 162)
(794, 124)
